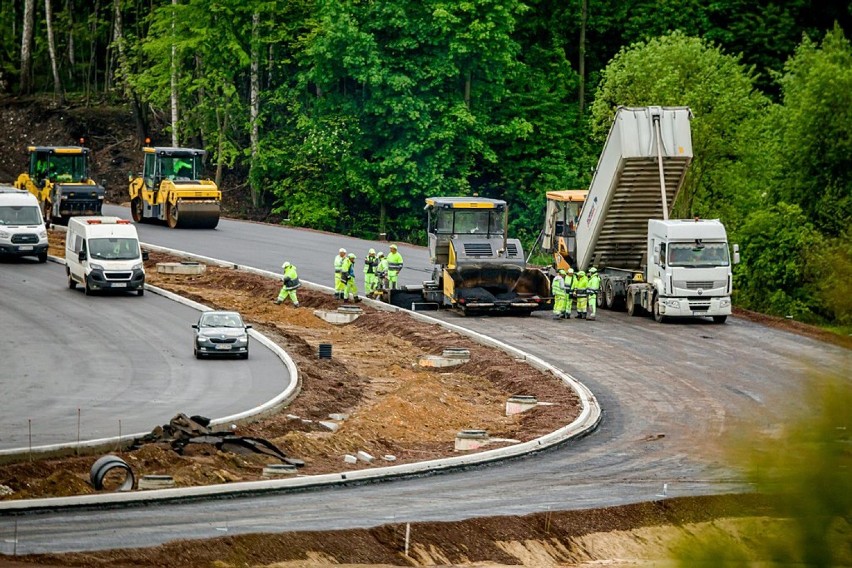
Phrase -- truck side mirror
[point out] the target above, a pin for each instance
(656, 254)
(736, 254)
(81, 256)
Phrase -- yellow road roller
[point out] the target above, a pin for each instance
(171, 190)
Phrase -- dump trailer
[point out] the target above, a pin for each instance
(477, 268)
(59, 178)
(647, 262)
(170, 189)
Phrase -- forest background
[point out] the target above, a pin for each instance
(343, 115)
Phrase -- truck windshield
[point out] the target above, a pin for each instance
(19, 215)
(114, 248)
(698, 256)
(469, 221)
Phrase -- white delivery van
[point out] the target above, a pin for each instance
(22, 228)
(103, 253)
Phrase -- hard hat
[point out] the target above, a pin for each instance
(393, 246)
(352, 255)
(286, 265)
(581, 273)
(570, 271)
(341, 250)
(593, 270)
(381, 254)
(562, 271)
(372, 251)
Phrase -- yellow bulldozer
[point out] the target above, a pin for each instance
(478, 269)
(171, 190)
(59, 178)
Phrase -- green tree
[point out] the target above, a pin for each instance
(817, 132)
(773, 276)
(676, 70)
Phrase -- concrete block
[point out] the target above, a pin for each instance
(520, 403)
(278, 469)
(437, 361)
(365, 457)
(336, 318)
(348, 458)
(470, 440)
(389, 457)
(189, 268)
(338, 416)
(333, 426)
(155, 482)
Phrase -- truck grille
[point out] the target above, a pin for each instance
(478, 249)
(25, 239)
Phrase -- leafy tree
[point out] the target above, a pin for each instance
(817, 132)
(676, 70)
(772, 277)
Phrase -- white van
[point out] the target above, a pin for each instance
(22, 228)
(103, 253)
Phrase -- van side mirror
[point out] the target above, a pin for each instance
(736, 254)
(195, 326)
(81, 256)
(144, 255)
(248, 326)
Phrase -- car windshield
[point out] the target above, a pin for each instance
(221, 320)
(19, 215)
(114, 248)
(698, 255)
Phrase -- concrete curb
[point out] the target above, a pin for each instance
(117, 442)
(588, 420)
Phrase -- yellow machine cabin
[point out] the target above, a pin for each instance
(560, 226)
(170, 189)
(59, 178)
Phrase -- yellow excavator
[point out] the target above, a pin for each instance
(560, 226)
(59, 178)
(171, 190)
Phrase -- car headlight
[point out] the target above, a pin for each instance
(201, 337)
(242, 340)
(5, 234)
(137, 266)
(42, 234)
(94, 266)
(672, 303)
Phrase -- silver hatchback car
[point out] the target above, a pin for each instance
(221, 333)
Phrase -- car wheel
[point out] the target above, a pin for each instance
(720, 319)
(196, 353)
(140, 292)
(71, 282)
(244, 355)
(87, 288)
(42, 257)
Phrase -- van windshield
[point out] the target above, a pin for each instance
(114, 248)
(19, 215)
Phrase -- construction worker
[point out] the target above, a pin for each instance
(557, 288)
(594, 290)
(569, 294)
(578, 288)
(394, 266)
(347, 276)
(291, 282)
(371, 263)
(381, 274)
(338, 270)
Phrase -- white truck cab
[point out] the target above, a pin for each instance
(689, 267)
(103, 253)
(22, 228)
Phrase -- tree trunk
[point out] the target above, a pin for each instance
(72, 63)
(92, 69)
(26, 48)
(222, 123)
(58, 93)
(255, 104)
(174, 94)
(582, 66)
(467, 82)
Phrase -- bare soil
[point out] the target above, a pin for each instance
(394, 406)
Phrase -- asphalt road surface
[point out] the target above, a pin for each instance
(113, 357)
(674, 396)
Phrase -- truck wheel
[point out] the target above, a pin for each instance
(609, 294)
(136, 209)
(632, 309)
(720, 319)
(658, 317)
